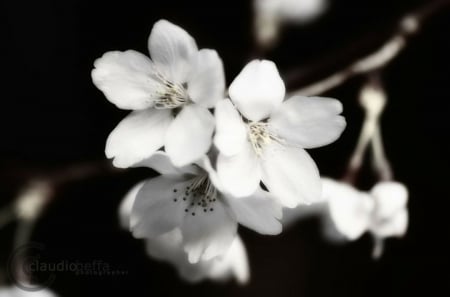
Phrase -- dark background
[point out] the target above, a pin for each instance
(52, 117)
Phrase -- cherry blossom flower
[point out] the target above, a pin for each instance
(268, 143)
(382, 211)
(168, 247)
(192, 200)
(169, 94)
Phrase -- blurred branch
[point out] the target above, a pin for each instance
(383, 55)
(7, 215)
(40, 189)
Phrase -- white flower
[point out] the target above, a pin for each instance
(17, 292)
(382, 211)
(168, 247)
(268, 145)
(271, 14)
(169, 95)
(191, 199)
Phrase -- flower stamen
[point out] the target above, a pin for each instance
(171, 95)
(260, 136)
(201, 193)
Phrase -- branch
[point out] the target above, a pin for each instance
(40, 189)
(408, 26)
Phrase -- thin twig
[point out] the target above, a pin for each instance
(373, 100)
(380, 161)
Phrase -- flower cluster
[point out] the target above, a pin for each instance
(382, 211)
(223, 161)
(347, 213)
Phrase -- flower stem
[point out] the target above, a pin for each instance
(372, 99)
(380, 161)
(378, 247)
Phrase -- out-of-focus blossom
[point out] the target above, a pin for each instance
(31, 202)
(268, 144)
(17, 292)
(168, 247)
(191, 199)
(270, 15)
(382, 211)
(169, 95)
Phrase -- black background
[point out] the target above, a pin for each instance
(53, 117)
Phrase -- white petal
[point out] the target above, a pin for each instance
(171, 49)
(206, 82)
(194, 273)
(189, 137)
(137, 136)
(239, 174)
(126, 206)
(308, 122)
(125, 79)
(231, 132)
(235, 263)
(350, 210)
(390, 198)
(291, 175)
(259, 212)
(167, 246)
(258, 90)
(155, 210)
(394, 226)
(161, 163)
(208, 234)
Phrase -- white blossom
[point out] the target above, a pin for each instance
(168, 247)
(192, 200)
(382, 211)
(169, 94)
(268, 143)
